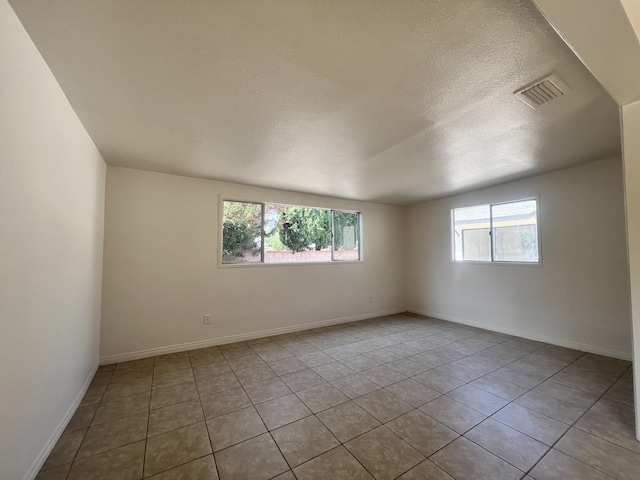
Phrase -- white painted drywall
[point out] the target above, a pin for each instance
(631, 156)
(580, 295)
(161, 272)
(51, 232)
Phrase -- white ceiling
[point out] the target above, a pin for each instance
(378, 100)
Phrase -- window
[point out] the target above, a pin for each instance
(275, 233)
(500, 232)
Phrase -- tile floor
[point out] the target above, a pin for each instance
(396, 397)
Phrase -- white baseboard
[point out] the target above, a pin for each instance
(57, 433)
(525, 334)
(182, 347)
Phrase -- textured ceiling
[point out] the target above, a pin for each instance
(378, 100)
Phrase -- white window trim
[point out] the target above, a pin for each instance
(496, 262)
(261, 264)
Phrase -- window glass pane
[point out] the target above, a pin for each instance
(241, 240)
(515, 232)
(297, 234)
(471, 227)
(347, 236)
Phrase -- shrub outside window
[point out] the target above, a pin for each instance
(275, 233)
(499, 233)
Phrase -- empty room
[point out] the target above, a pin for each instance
(319, 239)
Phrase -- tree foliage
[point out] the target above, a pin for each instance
(241, 227)
(301, 227)
(343, 222)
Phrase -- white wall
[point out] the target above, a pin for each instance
(580, 295)
(51, 231)
(161, 272)
(631, 150)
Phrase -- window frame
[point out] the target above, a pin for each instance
(492, 261)
(262, 263)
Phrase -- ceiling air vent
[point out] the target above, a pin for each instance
(543, 91)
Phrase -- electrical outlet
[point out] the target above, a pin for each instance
(370, 299)
(207, 319)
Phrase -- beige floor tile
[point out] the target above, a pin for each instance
(267, 390)
(621, 393)
(422, 432)
(339, 353)
(255, 459)
(551, 407)
(332, 371)
(275, 354)
(82, 418)
(175, 416)
(347, 421)
(413, 392)
(176, 447)
(438, 382)
(65, 449)
(101, 378)
(55, 473)
(613, 431)
(246, 361)
(314, 359)
(235, 427)
(407, 367)
(542, 428)
(603, 364)
(288, 365)
(321, 397)
(512, 446)
(224, 402)
(107, 436)
(501, 388)
(281, 411)
(303, 440)
(355, 385)
(525, 380)
(204, 356)
(383, 376)
(216, 384)
(131, 370)
(464, 460)
(383, 405)
(255, 374)
(558, 466)
(201, 469)
(123, 407)
(615, 411)
(337, 464)
(383, 453)
(428, 359)
(124, 389)
(163, 397)
(383, 355)
(297, 381)
(219, 367)
(426, 471)
(123, 463)
(566, 394)
(170, 362)
(141, 363)
(172, 377)
(456, 371)
(484, 402)
(452, 414)
(359, 363)
(93, 396)
(585, 382)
